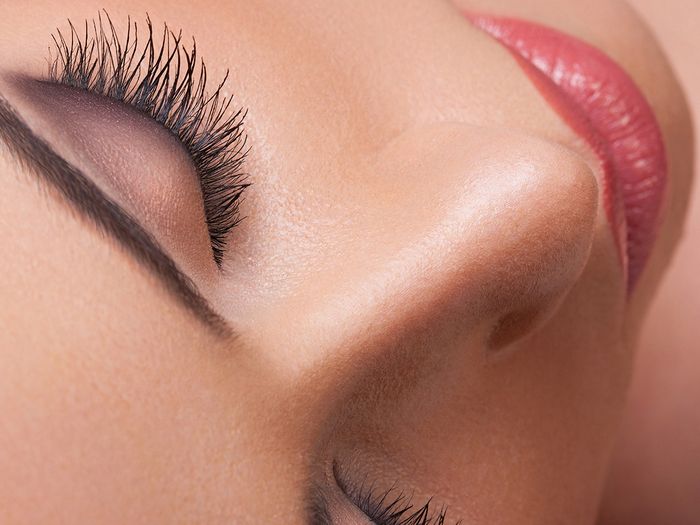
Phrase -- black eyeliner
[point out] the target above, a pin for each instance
(38, 157)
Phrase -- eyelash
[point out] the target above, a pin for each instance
(390, 507)
(166, 82)
(387, 509)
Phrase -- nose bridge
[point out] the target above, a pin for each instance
(379, 66)
(487, 230)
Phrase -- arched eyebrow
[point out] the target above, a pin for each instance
(76, 189)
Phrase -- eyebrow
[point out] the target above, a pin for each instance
(33, 153)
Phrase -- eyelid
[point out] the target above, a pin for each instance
(134, 160)
(166, 82)
(38, 157)
(390, 506)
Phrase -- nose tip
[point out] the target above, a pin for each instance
(511, 230)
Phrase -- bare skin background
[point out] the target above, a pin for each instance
(656, 477)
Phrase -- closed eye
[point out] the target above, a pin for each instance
(365, 503)
(389, 506)
(77, 189)
(167, 82)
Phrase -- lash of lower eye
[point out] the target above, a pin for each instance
(165, 80)
(390, 507)
(396, 508)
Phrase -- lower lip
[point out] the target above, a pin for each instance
(602, 104)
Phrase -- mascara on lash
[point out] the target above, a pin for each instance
(165, 81)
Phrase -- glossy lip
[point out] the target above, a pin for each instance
(604, 106)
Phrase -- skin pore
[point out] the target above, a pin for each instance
(425, 291)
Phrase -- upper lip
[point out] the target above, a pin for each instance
(600, 102)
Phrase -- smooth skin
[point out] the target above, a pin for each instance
(656, 473)
(425, 289)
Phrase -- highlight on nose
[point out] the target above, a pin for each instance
(488, 229)
(511, 229)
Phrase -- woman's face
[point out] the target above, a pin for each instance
(425, 298)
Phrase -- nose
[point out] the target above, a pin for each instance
(501, 228)
(456, 229)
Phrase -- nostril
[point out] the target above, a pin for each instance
(512, 327)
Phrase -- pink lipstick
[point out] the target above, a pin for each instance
(603, 105)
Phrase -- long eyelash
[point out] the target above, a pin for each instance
(395, 508)
(165, 80)
(391, 507)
